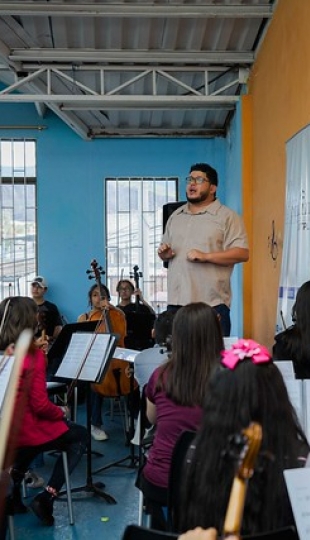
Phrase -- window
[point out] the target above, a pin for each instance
(134, 210)
(17, 216)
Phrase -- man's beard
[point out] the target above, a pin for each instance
(193, 200)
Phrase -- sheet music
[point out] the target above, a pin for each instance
(295, 392)
(125, 354)
(294, 388)
(6, 365)
(287, 369)
(298, 486)
(95, 347)
(306, 407)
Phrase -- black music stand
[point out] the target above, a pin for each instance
(90, 486)
(131, 456)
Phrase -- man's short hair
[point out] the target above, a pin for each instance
(208, 170)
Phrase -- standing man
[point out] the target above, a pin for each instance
(49, 317)
(203, 240)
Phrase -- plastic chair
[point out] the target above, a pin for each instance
(68, 487)
(143, 440)
(175, 478)
(135, 532)
(59, 390)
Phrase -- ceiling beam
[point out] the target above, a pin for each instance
(137, 56)
(173, 10)
(102, 133)
(139, 102)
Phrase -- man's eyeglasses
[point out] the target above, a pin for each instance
(196, 180)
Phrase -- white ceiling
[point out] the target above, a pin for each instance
(131, 67)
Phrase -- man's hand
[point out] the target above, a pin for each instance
(194, 255)
(165, 252)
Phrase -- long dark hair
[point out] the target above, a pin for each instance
(300, 338)
(196, 345)
(235, 398)
(16, 314)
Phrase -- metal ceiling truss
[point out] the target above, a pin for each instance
(76, 96)
(57, 78)
(138, 10)
(79, 95)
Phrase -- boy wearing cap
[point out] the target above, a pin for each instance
(49, 316)
(202, 242)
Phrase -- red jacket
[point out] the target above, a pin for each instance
(38, 420)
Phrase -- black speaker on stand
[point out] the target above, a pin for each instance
(168, 209)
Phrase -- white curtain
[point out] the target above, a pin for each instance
(296, 247)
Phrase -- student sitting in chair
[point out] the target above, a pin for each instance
(39, 424)
(250, 389)
(175, 394)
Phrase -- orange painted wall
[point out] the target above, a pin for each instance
(279, 93)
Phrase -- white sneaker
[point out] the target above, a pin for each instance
(33, 480)
(98, 434)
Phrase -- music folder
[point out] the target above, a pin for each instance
(60, 345)
(87, 357)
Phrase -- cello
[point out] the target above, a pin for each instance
(136, 276)
(110, 320)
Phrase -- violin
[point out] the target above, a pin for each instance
(251, 442)
(110, 319)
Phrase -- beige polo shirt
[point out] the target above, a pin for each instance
(215, 228)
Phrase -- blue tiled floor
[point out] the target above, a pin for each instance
(94, 518)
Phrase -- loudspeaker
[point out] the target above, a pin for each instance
(168, 209)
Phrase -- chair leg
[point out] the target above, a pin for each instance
(11, 527)
(68, 487)
(144, 519)
(141, 504)
(75, 402)
(24, 489)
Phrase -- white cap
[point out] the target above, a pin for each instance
(39, 280)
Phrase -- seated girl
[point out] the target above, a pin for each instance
(39, 425)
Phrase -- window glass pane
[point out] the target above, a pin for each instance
(134, 229)
(17, 216)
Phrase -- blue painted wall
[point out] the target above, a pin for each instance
(70, 178)
(233, 199)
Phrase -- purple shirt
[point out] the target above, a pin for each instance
(172, 420)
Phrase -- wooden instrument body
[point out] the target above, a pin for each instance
(117, 379)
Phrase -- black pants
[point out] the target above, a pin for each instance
(73, 442)
(155, 499)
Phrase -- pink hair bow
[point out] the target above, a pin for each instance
(245, 348)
